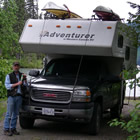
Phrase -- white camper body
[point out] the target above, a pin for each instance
(79, 37)
(85, 86)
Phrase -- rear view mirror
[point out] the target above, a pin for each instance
(34, 73)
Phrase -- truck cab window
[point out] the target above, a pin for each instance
(69, 67)
(62, 67)
(50, 69)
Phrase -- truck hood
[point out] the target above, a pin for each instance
(62, 83)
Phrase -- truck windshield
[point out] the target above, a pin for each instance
(69, 68)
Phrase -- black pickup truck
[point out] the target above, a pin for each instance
(78, 89)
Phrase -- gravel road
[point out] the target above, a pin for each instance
(45, 130)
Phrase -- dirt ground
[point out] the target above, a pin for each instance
(45, 130)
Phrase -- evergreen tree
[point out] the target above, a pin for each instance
(134, 19)
(8, 37)
(137, 14)
(32, 9)
(13, 15)
(21, 16)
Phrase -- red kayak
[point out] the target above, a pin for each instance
(106, 14)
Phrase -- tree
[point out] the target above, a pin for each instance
(134, 19)
(13, 15)
(32, 9)
(9, 38)
(5, 68)
(133, 125)
(21, 16)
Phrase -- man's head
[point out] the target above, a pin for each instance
(16, 66)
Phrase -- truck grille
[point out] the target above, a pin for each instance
(51, 96)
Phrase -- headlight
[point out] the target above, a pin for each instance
(81, 96)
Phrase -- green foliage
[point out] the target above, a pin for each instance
(132, 126)
(134, 19)
(134, 22)
(31, 61)
(131, 76)
(2, 108)
(5, 68)
(8, 38)
(13, 15)
(21, 15)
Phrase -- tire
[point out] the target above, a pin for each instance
(26, 123)
(95, 123)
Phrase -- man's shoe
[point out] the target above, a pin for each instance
(8, 133)
(15, 132)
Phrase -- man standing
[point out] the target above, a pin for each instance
(14, 84)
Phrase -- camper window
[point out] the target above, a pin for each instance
(127, 53)
(120, 41)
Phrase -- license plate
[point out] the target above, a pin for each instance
(48, 111)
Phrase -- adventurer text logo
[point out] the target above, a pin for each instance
(69, 36)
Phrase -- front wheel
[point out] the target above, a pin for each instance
(95, 123)
(25, 122)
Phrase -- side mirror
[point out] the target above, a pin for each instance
(34, 73)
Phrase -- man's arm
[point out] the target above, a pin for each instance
(17, 84)
(8, 84)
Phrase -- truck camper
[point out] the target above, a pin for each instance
(82, 75)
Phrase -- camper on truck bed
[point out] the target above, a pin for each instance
(81, 75)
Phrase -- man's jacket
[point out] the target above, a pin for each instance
(13, 80)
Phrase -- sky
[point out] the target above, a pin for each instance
(84, 8)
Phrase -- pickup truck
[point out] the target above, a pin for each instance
(84, 76)
(75, 88)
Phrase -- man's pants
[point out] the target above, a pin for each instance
(13, 107)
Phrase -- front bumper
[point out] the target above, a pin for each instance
(59, 114)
